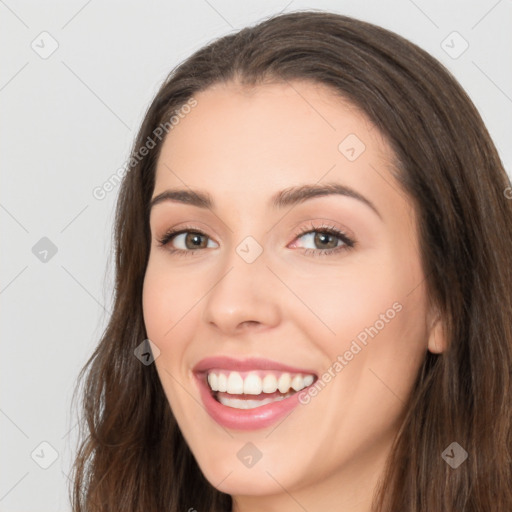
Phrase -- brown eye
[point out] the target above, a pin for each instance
(193, 240)
(185, 241)
(324, 240)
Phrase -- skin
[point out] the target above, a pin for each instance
(241, 146)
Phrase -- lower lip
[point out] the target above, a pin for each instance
(245, 419)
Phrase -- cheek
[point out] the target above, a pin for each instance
(381, 335)
(155, 295)
(343, 301)
(372, 315)
(169, 320)
(168, 298)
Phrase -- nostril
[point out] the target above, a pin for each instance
(249, 322)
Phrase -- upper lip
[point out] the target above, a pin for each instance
(248, 364)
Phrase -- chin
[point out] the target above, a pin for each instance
(229, 475)
(245, 482)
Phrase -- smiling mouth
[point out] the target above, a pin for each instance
(252, 389)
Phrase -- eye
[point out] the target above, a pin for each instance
(329, 238)
(188, 240)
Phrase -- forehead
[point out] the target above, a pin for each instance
(288, 117)
(257, 140)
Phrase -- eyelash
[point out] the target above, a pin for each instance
(348, 243)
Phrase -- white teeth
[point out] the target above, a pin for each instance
(252, 383)
(269, 384)
(297, 383)
(284, 383)
(222, 383)
(213, 380)
(242, 403)
(235, 384)
(308, 380)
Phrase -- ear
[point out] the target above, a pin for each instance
(436, 338)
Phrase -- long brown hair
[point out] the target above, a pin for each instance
(132, 455)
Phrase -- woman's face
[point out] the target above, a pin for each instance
(271, 286)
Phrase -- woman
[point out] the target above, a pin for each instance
(241, 372)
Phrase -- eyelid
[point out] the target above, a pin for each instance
(172, 233)
(327, 226)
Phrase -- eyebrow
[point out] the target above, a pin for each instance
(288, 197)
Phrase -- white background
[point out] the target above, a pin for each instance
(68, 121)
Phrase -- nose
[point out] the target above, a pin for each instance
(244, 295)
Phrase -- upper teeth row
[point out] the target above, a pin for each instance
(253, 384)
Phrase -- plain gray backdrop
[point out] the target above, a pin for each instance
(76, 78)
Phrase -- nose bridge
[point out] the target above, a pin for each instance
(243, 292)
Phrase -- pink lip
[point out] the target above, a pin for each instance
(244, 419)
(243, 365)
